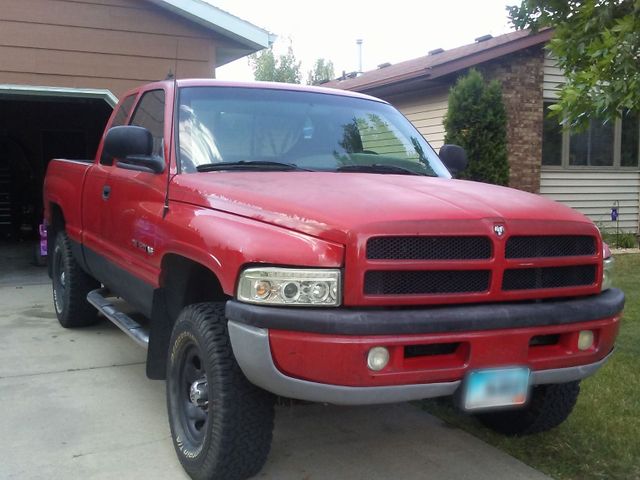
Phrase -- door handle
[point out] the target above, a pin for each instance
(106, 191)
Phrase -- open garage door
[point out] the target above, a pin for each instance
(37, 124)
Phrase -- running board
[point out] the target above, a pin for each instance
(124, 322)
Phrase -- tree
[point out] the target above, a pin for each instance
(597, 43)
(476, 120)
(322, 72)
(284, 68)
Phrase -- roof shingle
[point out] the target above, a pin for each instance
(439, 64)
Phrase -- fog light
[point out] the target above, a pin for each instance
(585, 340)
(378, 358)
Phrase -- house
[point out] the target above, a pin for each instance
(591, 171)
(63, 65)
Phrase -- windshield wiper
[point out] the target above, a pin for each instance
(249, 165)
(378, 168)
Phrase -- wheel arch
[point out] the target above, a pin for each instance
(183, 281)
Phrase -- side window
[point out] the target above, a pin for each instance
(150, 114)
(123, 111)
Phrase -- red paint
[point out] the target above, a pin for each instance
(341, 359)
(228, 220)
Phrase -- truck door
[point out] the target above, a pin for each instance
(135, 207)
(94, 197)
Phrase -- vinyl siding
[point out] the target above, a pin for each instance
(593, 192)
(553, 78)
(427, 114)
(112, 44)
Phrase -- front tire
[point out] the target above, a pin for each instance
(221, 424)
(549, 406)
(71, 285)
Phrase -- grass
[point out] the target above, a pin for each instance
(601, 438)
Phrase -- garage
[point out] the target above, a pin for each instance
(37, 125)
(63, 66)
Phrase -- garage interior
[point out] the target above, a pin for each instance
(63, 64)
(34, 128)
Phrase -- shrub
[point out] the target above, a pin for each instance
(476, 120)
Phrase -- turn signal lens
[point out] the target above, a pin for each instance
(607, 273)
(607, 267)
(263, 289)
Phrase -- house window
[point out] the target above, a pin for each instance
(630, 140)
(551, 139)
(594, 146)
(603, 144)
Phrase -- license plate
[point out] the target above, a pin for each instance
(496, 388)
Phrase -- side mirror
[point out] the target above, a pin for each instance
(454, 158)
(132, 147)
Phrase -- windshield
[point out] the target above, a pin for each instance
(303, 130)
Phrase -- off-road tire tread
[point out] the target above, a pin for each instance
(550, 405)
(244, 413)
(77, 311)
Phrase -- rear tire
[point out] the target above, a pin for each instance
(71, 285)
(549, 406)
(222, 428)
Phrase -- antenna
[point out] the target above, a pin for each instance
(174, 77)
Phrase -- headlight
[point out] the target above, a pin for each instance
(607, 273)
(290, 286)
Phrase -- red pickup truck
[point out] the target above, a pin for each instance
(309, 243)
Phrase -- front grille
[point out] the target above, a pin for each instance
(550, 246)
(549, 277)
(384, 282)
(428, 248)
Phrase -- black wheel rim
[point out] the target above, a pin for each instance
(193, 415)
(59, 281)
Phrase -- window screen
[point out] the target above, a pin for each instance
(594, 146)
(630, 140)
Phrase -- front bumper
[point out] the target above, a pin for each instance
(253, 353)
(321, 355)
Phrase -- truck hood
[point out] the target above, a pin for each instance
(332, 205)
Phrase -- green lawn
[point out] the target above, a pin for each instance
(601, 438)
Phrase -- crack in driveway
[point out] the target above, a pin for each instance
(71, 370)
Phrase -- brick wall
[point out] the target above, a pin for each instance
(521, 75)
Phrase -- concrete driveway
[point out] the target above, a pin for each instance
(77, 404)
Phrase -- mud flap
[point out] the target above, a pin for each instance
(159, 336)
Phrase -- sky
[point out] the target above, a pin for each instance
(391, 31)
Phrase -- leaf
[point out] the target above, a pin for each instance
(597, 43)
